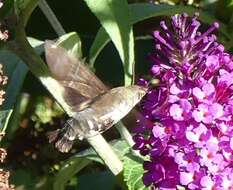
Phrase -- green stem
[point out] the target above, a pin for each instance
(97, 142)
(6, 122)
(51, 17)
(39, 69)
(125, 134)
(107, 154)
(36, 65)
(26, 13)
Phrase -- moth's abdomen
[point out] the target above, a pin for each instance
(64, 144)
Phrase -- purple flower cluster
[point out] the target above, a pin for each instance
(186, 125)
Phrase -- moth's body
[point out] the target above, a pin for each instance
(96, 108)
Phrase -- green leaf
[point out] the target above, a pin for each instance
(142, 11)
(19, 108)
(133, 173)
(4, 119)
(5, 9)
(99, 181)
(150, 10)
(22, 4)
(16, 71)
(36, 44)
(44, 113)
(27, 178)
(180, 187)
(227, 6)
(100, 41)
(120, 147)
(69, 169)
(75, 163)
(114, 17)
(23, 178)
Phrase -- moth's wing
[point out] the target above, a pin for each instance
(79, 82)
(81, 98)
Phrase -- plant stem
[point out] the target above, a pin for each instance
(5, 125)
(98, 142)
(107, 154)
(38, 68)
(125, 134)
(25, 15)
(51, 17)
(36, 65)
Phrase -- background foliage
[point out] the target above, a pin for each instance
(113, 32)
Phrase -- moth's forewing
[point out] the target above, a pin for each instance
(80, 84)
(75, 99)
(58, 61)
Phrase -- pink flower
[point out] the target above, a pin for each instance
(186, 126)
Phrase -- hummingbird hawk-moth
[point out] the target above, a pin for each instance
(96, 107)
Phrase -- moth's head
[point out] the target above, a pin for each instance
(141, 90)
(136, 92)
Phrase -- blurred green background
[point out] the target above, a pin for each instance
(33, 162)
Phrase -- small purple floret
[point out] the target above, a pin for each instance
(186, 121)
